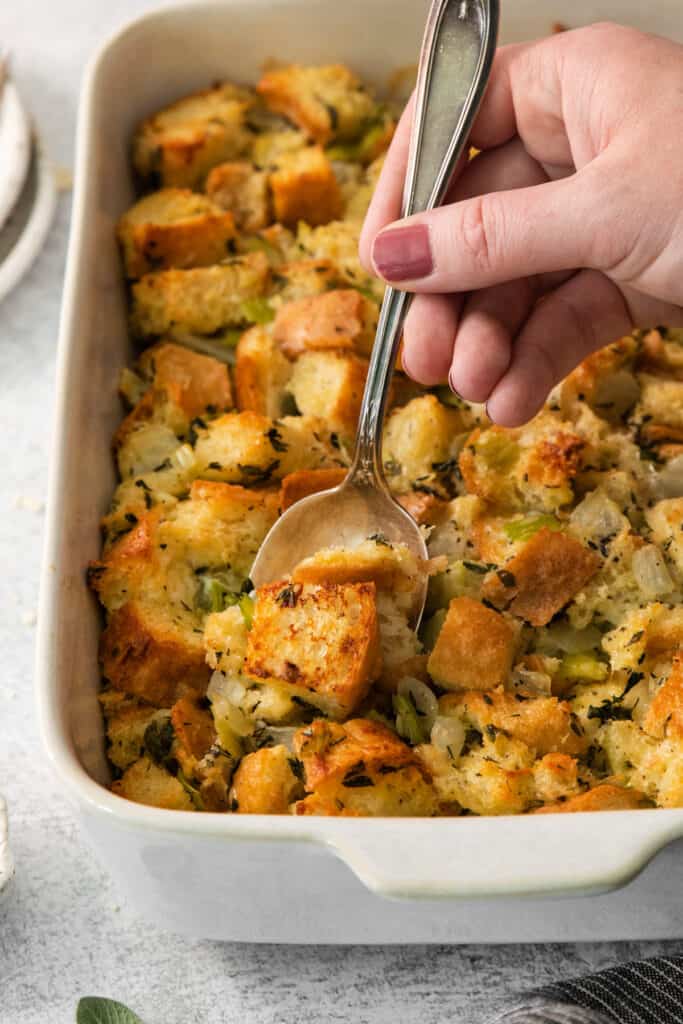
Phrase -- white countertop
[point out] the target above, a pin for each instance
(63, 933)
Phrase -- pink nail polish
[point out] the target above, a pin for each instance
(403, 254)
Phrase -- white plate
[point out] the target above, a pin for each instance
(24, 233)
(15, 147)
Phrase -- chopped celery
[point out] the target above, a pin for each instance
(256, 244)
(523, 529)
(586, 667)
(257, 311)
(408, 724)
(214, 595)
(246, 604)
(431, 629)
(231, 336)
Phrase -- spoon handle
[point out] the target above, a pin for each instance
(455, 62)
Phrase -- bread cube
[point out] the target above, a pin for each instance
(330, 385)
(361, 768)
(174, 228)
(340, 319)
(242, 190)
(543, 577)
(338, 243)
(299, 279)
(304, 188)
(126, 721)
(304, 482)
(474, 649)
(201, 301)
(145, 782)
(419, 438)
(326, 102)
(264, 782)
(178, 145)
(665, 519)
(262, 373)
(604, 797)
(665, 714)
(390, 567)
(661, 401)
(321, 640)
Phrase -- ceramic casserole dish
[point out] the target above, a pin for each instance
(275, 878)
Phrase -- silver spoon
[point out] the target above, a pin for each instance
(455, 62)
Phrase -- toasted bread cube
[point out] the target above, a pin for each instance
(361, 768)
(340, 319)
(261, 373)
(179, 144)
(300, 279)
(661, 401)
(543, 577)
(495, 778)
(604, 797)
(474, 649)
(304, 482)
(426, 509)
(605, 380)
(198, 301)
(174, 228)
(249, 449)
(665, 714)
(390, 567)
(330, 385)
(264, 783)
(544, 724)
(305, 188)
(147, 783)
(194, 730)
(556, 777)
(417, 437)
(322, 640)
(325, 102)
(243, 190)
(182, 386)
(269, 146)
(154, 653)
(126, 719)
(665, 519)
(338, 242)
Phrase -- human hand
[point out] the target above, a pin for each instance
(565, 233)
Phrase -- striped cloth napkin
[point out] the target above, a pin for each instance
(644, 992)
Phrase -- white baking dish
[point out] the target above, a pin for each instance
(253, 877)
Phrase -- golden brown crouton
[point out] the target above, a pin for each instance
(304, 188)
(198, 301)
(605, 380)
(264, 782)
(325, 102)
(299, 279)
(419, 443)
(193, 728)
(243, 190)
(261, 373)
(661, 401)
(361, 768)
(544, 724)
(474, 649)
(665, 714)
(126, 719)
(174, 228)
(304, 482)
(391, 568)
(660, 357)
(182, 386)
(338, 242)
(179, 144)
(147, 783)
(341, 319)
(322, 640)
(543, 577)
(665, 519)
(330, 385)
(604, 797)
(153, 656)
(556, 776)
(424, 508)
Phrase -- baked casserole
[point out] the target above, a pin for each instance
(548, 672)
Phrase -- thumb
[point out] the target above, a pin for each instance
(500, 236)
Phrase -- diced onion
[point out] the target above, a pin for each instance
(183, 457)
(669, 481)
(282, 735)
(597, 516)
(448, 734)
(422, 697)
(528, 679)
(650, 572)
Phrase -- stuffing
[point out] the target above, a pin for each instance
(665, 520)
(305, 482)
(200, 301)
(474, 649)
(340, 319)
(304, 188)
(265, 782)
(126, 720)
(661, 401)
(174, 228)
(338, 242)
(420, 445)
(145, 782)
(426, 509)
(301, 278)
(361, 768)
(330, 385)
(243, 191)
(320, 640)
(604, 797)
(605, 380)
(261, 373)
(177, 146)
(324, 102)
(665, 714)
(392, 568)
(542, 578)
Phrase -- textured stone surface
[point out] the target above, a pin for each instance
(62, 932)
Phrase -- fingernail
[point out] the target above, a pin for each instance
(453, 387)
(404, 364)
(403, 254)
